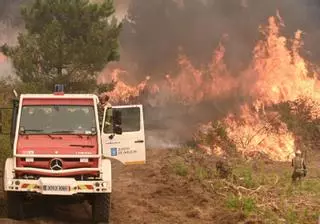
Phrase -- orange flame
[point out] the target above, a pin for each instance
(255, 134)
(189, 86)
(123, 92)
(282, 73)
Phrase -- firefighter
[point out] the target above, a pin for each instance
(224, 168)
(299, 167)
(104, 103)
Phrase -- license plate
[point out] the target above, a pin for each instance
(55, 188)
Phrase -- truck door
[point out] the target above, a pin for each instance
(129, 147)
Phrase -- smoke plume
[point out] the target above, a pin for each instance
(10, 25)
(156, 32)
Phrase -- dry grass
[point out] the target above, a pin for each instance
(260, 190)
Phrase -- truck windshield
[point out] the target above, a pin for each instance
(57, 119)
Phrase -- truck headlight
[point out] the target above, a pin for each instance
(104, 184)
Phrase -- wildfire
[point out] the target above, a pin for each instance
(282, 73)
(123, 93)
(282, 76)
(192, 85)
(189, 86)
(255, 134)
(277, 74)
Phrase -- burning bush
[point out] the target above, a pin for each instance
(213, 138)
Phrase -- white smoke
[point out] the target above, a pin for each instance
(157, 139)
(8, 35)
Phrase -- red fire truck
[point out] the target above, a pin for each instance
(61, 149)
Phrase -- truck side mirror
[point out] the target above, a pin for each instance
(116, 122)
(117, 117)
(117, 130)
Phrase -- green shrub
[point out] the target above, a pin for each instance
(180, 169)
(202, 173)
(246, 204)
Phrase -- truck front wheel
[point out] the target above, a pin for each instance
(101, 208)
(15, 205)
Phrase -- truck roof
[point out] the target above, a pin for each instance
(53, 96)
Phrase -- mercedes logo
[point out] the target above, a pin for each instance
(56, 164)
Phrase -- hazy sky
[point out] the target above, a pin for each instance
(7, 33)
(121, 6)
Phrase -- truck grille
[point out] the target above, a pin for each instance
(57, 163)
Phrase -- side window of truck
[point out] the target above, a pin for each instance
(130, 120)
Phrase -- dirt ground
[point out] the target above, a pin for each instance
(153, 193)
(135, 191)
(141, 194)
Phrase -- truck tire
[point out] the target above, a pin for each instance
(101, 208)
(15, 206)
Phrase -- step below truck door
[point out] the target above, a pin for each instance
(128, 147)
